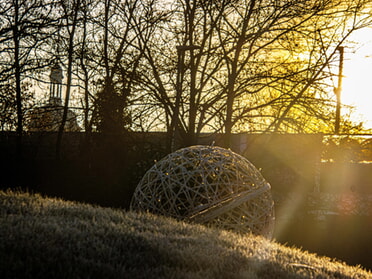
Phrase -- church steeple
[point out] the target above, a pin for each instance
(49, 116)
(56, 76)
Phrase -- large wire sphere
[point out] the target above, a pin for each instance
(209, 185)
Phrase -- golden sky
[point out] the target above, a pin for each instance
(357, 82)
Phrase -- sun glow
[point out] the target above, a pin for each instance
(357, 81)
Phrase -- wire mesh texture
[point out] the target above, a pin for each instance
(208, 185)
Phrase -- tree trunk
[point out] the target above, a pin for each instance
(18, 84)
(233, 76)
(68, 85)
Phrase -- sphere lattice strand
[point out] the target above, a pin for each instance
(208, 185)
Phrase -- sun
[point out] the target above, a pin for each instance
(357, 80)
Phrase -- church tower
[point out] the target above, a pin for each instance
(48, 118)
(56, 76)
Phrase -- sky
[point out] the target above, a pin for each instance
(357, 81)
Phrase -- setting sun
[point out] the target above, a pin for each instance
(357, 89)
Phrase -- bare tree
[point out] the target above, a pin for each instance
(26, 26)
(263, 62)
(70, 18)
(119, 62)
(183, 65)
(265, 29)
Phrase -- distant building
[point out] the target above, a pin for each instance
(48, 117)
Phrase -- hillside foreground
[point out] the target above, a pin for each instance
(44, 237)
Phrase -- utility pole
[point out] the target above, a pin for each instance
(338, 90)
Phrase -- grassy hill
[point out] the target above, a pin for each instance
(50, 238)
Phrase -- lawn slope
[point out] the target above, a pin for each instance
(50, 238)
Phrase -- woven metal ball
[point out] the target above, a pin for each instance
(208, 185)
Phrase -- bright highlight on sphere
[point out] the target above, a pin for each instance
(208, 185)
